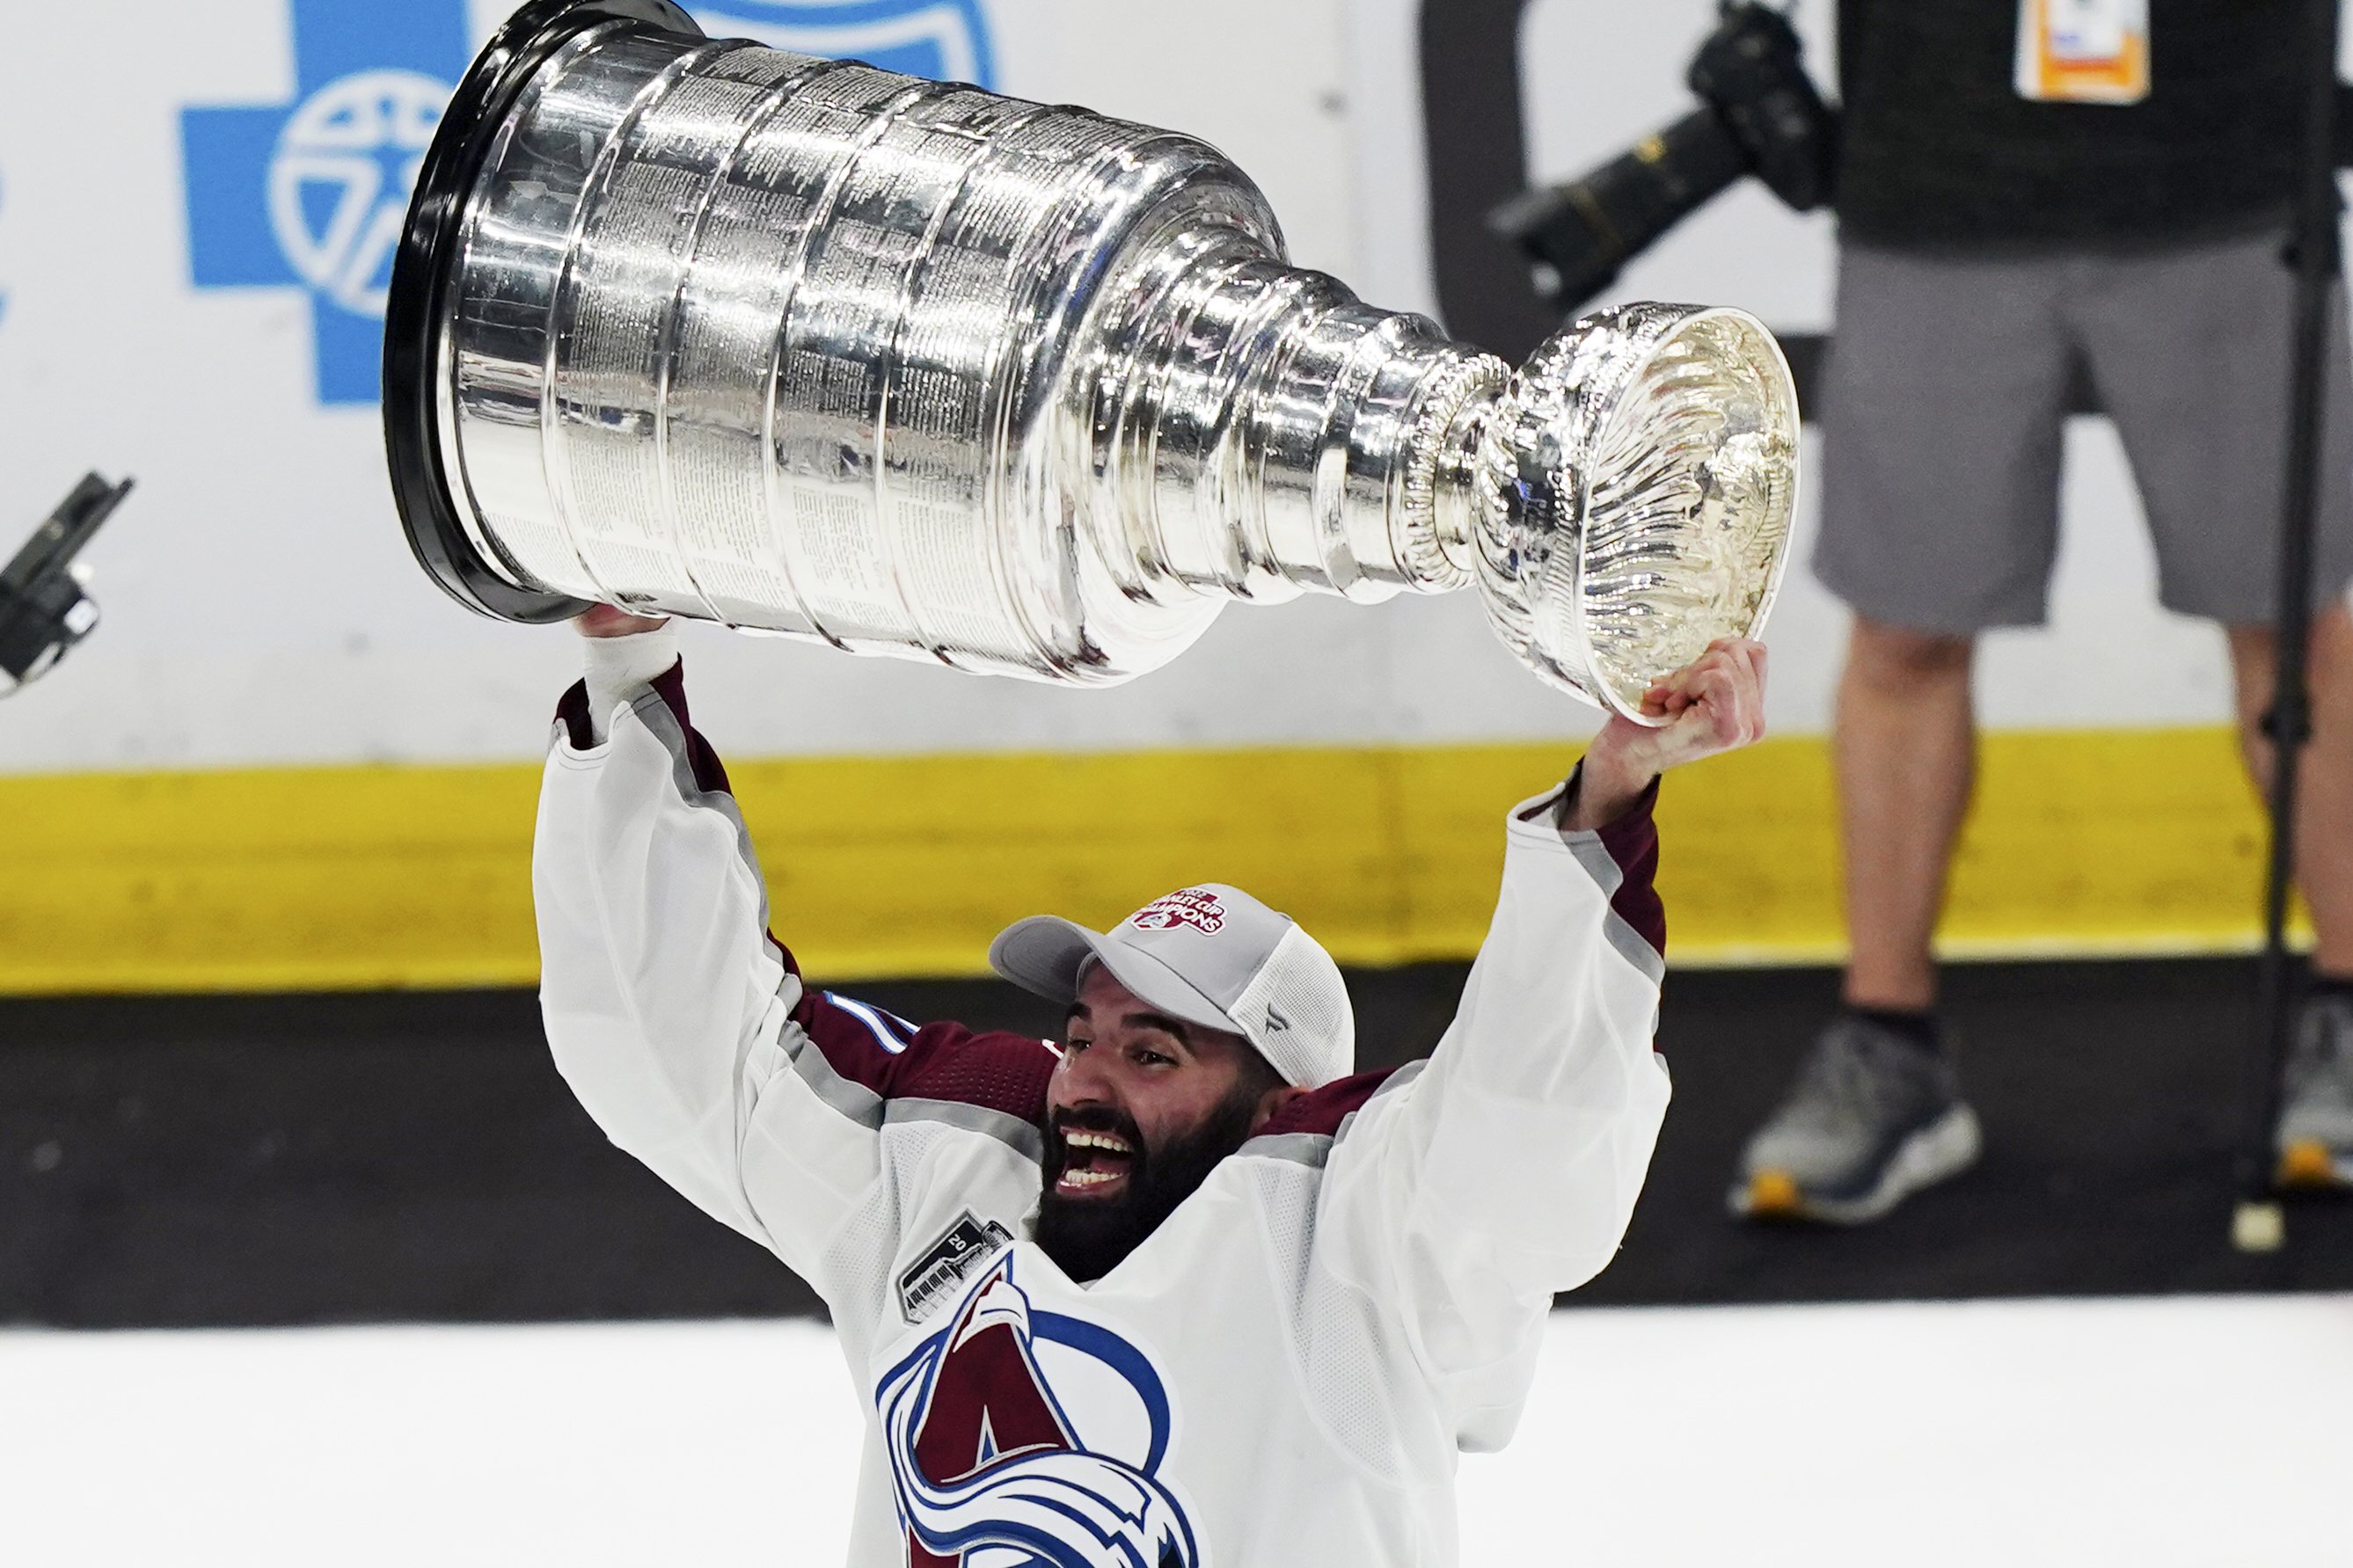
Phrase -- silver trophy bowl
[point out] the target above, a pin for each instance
(700, 328)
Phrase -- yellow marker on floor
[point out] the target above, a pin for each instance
(1772, 1193)
(2306, 1164)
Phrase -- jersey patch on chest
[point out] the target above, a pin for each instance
(932, 1278)
(1026, 1439)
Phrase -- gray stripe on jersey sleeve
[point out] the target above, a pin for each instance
(1390, 1084)
(1398, 1079)
(1606, 873)
(855, 1100)
(1006, 1128)
(654, 715)
(1310, 1149)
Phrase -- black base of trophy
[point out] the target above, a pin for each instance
(436, 213)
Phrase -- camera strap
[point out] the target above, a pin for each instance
(2083, 51)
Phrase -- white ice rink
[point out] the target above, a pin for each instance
(2200, 1431)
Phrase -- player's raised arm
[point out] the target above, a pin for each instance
(676, 1018)
(1506, 1170)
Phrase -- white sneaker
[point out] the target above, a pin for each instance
(1872, 1118)
(2315, 1135)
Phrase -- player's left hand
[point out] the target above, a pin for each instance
(1716, 703)
(612, 621)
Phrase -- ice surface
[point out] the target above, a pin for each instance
(2187, 1431)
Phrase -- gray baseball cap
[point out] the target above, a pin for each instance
(1210, 955)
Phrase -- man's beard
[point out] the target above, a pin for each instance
(1087, 1237)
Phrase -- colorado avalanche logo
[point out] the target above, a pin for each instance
(1195, 907)
(945, 40)
(992, 1470)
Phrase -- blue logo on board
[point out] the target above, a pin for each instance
(310, 192)
(944, 40)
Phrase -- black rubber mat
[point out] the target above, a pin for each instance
(199, 1161)
(2110, 1097)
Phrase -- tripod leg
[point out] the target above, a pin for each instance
(2257, 1224)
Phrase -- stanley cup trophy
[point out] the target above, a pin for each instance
(705, 328)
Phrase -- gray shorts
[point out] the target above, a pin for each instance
(1945, 396)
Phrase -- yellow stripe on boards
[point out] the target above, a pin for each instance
(267, 879)
(2078, 843)
(2081, 842)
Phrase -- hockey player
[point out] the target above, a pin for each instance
(1177, 1289)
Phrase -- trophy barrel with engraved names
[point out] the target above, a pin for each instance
(700, 328)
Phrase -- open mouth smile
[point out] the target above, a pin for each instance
(1092, 1162)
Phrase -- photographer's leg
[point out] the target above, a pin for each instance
(1943, 403)
(1876, 1111)
(2313, 1136)
(1905, 749)
(2187, 346)
(2324, 827)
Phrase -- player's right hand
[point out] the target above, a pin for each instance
(611, 621)
(1713, 704)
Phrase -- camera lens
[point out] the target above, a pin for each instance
(1761, 116)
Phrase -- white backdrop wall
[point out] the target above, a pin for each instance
(261, 606)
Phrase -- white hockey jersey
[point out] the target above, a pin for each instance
(1282, 1374)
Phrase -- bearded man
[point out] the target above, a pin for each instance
(1178, 1288)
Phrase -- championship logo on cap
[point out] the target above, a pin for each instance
(1259, 976)
(1195, 907)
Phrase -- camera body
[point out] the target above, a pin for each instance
(43, 610)
(1760, 114)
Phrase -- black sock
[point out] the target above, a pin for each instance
(2338, 986)
(1915, 1024)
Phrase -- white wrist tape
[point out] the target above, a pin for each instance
(621, 667)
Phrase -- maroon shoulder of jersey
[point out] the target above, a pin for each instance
(900, 1060)
(1323, 1110)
